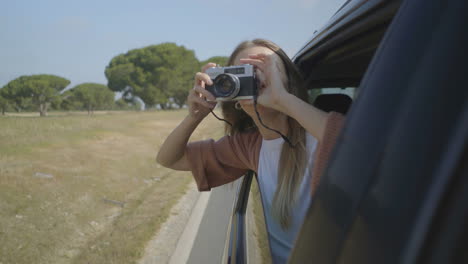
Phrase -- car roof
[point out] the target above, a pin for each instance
(351, 36)
(351, 9)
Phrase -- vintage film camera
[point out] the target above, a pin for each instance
(233, 82)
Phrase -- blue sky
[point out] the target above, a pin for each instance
(77, 39)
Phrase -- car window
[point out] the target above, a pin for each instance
(333, 99)
(258, 248)
(350, 91)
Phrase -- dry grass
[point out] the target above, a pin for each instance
(66, 218)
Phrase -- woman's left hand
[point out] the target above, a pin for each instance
(271, 79)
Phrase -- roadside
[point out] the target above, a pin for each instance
(196, 230)
(86, 189)
(163, 244)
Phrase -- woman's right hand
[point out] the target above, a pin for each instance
(197, 102)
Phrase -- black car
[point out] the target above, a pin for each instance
(396, 186)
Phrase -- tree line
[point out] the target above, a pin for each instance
(159, 75)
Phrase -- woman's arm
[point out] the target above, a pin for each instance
(311, 118)
(172, 152)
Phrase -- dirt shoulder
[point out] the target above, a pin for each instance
(80, 189)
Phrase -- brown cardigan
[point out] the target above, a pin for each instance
(217, 163)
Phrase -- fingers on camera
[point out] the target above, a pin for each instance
(202, 78)
(203, 102)
(208, 65)
(259, 64)
(203, 92)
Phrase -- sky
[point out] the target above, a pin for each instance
(77, 39)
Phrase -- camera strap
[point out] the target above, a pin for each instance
(219, 118)
(285, 138)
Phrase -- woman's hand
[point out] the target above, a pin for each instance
(271, 79)
(172, 152)
(197, 102)
(273, 94)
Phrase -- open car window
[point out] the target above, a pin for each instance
(333, 99)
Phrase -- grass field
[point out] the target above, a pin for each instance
(86, 189)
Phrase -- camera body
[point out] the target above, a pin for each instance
(232, 83)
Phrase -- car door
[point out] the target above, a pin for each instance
(247, 234)
(394, 188)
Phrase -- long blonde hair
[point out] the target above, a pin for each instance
(293, 159)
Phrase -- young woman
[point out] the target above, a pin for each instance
(286, 172)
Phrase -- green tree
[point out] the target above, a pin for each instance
(220, 60)
(155, 74)
(68, 103)
(123, 104)
(89, 96)
(14, 92)
(3, 103)
(38, 91)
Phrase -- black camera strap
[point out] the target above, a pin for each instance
(285, 138)
(219, 118)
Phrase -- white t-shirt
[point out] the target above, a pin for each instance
(282, 241)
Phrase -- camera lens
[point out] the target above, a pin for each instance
(226, 85)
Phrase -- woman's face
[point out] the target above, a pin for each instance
(247, 105)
